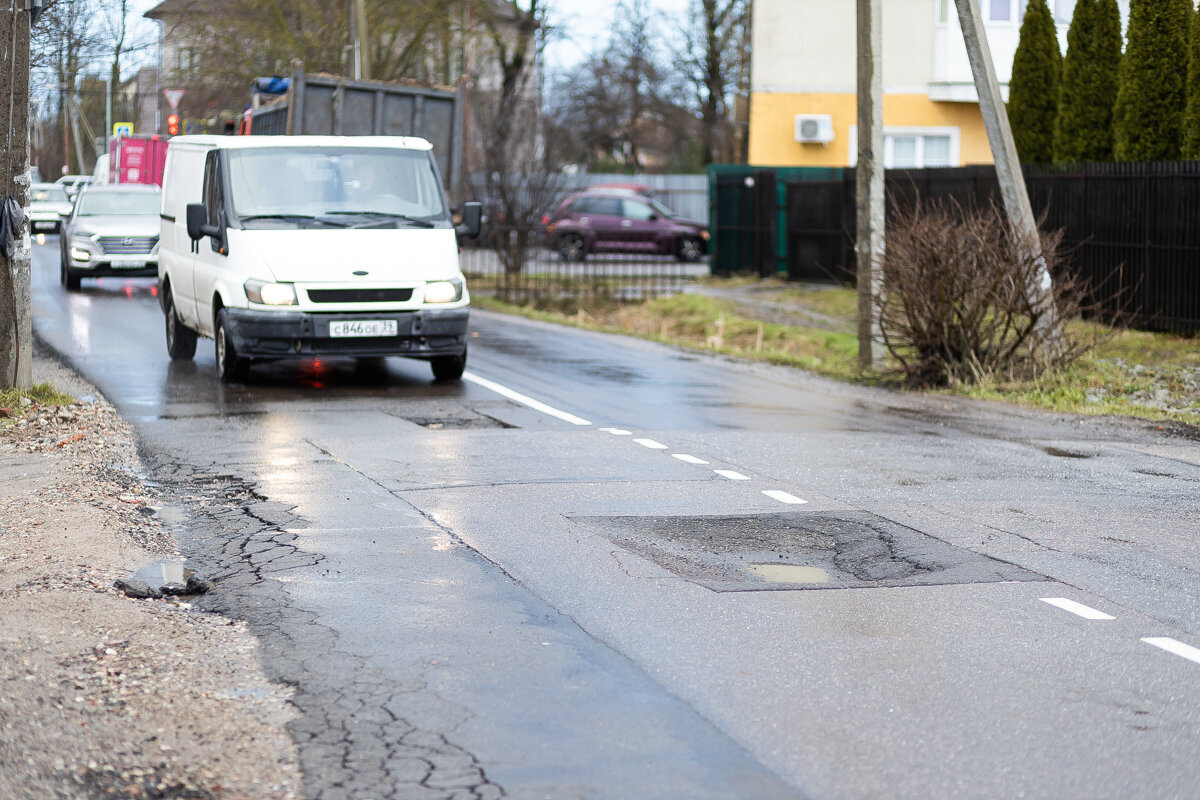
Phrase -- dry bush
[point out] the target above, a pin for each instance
(957, 305)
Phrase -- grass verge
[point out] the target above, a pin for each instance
(1151, 376)
(15, 403)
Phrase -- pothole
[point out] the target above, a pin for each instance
(1058, 452)
(800, 550)
(458, 423)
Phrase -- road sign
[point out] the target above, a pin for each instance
(173, 97)
(122, 129)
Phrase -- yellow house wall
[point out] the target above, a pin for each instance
(772, 126)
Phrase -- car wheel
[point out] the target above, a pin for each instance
(68, 278)
(449, 368)
(572, 247)
(181, 340)
(230, 366)
(689, 249)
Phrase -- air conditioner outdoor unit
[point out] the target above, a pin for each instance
(814, 128)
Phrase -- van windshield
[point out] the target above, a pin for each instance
(290, 187)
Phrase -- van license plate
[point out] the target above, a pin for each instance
(362, 327)
(128, 263)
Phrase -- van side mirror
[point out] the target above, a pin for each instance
(197, 221)
(472, 220)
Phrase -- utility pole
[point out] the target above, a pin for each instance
(16, 328)
(1013, 192)
(362, 45)
(870, 200)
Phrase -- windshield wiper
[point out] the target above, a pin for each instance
(423, 223)
(295, 218)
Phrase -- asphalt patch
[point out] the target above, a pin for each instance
(855, 550)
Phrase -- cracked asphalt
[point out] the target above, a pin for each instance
(470, 597)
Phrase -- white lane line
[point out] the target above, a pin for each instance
(733, 476)
(517, 397)
(783, 497)
(617, 431)
(1172, 646)
(689, 459)
(653, 445)
(1078, 609)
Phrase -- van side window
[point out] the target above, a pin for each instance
(214, 197)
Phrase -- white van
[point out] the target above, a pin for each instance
(285, 246)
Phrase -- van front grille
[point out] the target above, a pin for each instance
(360, 295)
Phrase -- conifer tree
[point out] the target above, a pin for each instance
(1148, 119)
(1077, 111)
(1034, 89)
(1191, 117)
(1089, 86)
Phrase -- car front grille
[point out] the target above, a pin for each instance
(127, 245)
(360, 295)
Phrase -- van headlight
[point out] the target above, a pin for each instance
(271, 294)
(450, 291)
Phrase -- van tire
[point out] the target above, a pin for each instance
(449, 368)
(689, 249)
(572, 248)
(230, 366)
(181, 340)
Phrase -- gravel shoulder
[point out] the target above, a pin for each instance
(105, 695)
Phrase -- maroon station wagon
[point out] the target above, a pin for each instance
(620, 221)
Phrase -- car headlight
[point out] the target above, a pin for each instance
(444, 291)
(80, 254)
(271, 294)
(704, 235)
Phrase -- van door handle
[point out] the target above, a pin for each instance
(626, 223)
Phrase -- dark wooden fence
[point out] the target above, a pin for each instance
(1132, 230)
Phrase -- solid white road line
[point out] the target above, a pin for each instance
(1078, 609)
(517, 397)
(783, 497)
(617, 431)
(653, 445)
(733, 476)
(1172, 646)
(689, 459)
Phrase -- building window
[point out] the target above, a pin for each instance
(914, 148)
(914, 151)
(1001, 11)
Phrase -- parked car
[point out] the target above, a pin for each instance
(616, 220)
(113, 230)
(73, 183)
(48, 204)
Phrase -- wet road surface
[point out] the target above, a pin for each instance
(603, 568)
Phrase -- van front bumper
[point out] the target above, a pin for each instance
(279, 334)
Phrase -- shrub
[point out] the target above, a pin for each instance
(1148, 118)
(1034, 88)
(957, 305)
(1083, 130)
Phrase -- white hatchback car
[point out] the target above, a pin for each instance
(48, 204)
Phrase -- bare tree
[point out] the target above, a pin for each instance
(64, 43)
(717, 69)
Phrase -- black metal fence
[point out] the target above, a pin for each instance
(545, 279)
(1132, 230)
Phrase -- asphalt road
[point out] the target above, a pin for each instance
(600, 568)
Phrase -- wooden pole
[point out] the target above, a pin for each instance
(1013, 191)
(870, 200)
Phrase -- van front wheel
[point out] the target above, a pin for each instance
(230, 366)
(449, 368)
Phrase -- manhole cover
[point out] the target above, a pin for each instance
(800, 551)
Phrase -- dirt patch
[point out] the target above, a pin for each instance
(106, 696)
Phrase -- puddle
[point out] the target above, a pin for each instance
(171, 515)
(164, 572)
(1059, 453)
(789, 573)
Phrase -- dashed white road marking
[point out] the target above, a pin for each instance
(653, 445)
(617, 431)
(689, 459)
(1172, 646)
(517, 397)
(733, 476)
(783, 497)
(1078, 609)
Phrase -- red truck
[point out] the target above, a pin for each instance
(134, 159)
